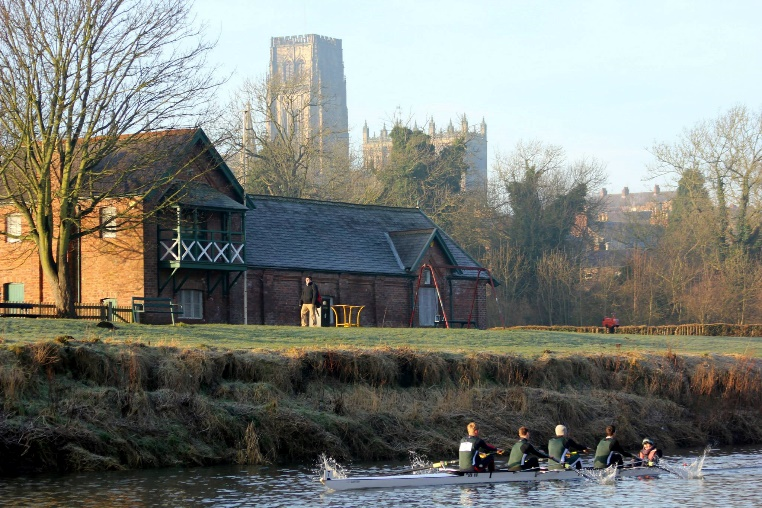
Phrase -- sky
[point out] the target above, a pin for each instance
(604, 79)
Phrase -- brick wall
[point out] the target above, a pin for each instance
(274, 297)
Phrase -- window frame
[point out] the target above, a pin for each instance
(191, 309)
(108, 221)
(13, 227)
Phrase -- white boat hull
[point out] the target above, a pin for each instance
(449, 477)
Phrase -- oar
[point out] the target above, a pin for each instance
(580, 473)
(435, 465)
(444, 463)
(657, 466)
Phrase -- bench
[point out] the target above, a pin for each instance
(22, 309)
(142, 305)
(462, 322)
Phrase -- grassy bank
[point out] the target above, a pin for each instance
(76, 397)
(529, 343)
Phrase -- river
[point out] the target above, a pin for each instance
(730, 477)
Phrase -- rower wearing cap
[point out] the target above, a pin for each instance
(650, 454)
(565, 450)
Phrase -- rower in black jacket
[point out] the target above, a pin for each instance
(523, 454)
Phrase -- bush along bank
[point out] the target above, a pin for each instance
(71, 405)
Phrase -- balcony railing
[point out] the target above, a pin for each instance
(202, 246)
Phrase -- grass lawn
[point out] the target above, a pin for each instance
(527, 343)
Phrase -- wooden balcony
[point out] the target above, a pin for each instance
(202, 249)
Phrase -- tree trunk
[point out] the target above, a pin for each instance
(64, 291)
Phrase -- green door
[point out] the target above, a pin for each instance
(13, 292)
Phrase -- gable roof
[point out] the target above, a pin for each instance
(302, 234)
(147, 157)
(412, 245)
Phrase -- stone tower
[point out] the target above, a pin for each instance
(319, 60)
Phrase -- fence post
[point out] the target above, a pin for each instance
(110, 311)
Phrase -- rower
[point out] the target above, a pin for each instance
(565, 450)
(609, 451)
(470, 458)
(523, 454)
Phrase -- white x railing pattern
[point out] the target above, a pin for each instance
(206, 251)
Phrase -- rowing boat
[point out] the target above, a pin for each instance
(455, 477)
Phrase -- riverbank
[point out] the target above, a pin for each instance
(92, 404)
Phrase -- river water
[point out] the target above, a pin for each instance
(730, 477)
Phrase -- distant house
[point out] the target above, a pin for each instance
(358, 255)
(626, 222)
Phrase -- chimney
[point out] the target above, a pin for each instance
(625, 192)
(656, 190)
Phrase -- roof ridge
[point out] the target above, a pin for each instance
(328, 202)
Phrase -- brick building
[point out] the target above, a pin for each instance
(358, 255)
(189, 247)
(224, 261)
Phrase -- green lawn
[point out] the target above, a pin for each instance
(520, 342)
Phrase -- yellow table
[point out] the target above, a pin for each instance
(346, 315)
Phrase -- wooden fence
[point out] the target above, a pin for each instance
(709, 329)
(95, 311)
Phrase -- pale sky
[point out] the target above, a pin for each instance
(602, 79)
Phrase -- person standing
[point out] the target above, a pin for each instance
(523, 454)
(561, 446)
(609, 451)
(308, 299)
(469, 456)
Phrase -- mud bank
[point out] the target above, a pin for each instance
(71, 405)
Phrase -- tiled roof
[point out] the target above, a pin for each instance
(202, 196)
(301, 234)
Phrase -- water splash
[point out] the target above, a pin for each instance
(325, 464)
(608, 475)
(688, 471)
(417, 460)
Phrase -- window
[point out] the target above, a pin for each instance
(108, 222)
(192, 302)
(13, 228)
(426, 276)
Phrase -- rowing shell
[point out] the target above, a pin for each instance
(454, 477)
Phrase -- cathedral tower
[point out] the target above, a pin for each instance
(319, 61)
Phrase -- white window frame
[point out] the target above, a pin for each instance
(108, 224)
(13, 228)
(193, 303)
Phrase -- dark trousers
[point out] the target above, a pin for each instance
(485, 464)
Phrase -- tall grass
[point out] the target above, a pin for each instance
(111, 403)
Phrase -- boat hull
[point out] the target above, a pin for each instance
(457, 478)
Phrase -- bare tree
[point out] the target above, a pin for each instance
(289, 152)
(727, 151)
(79, 81)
